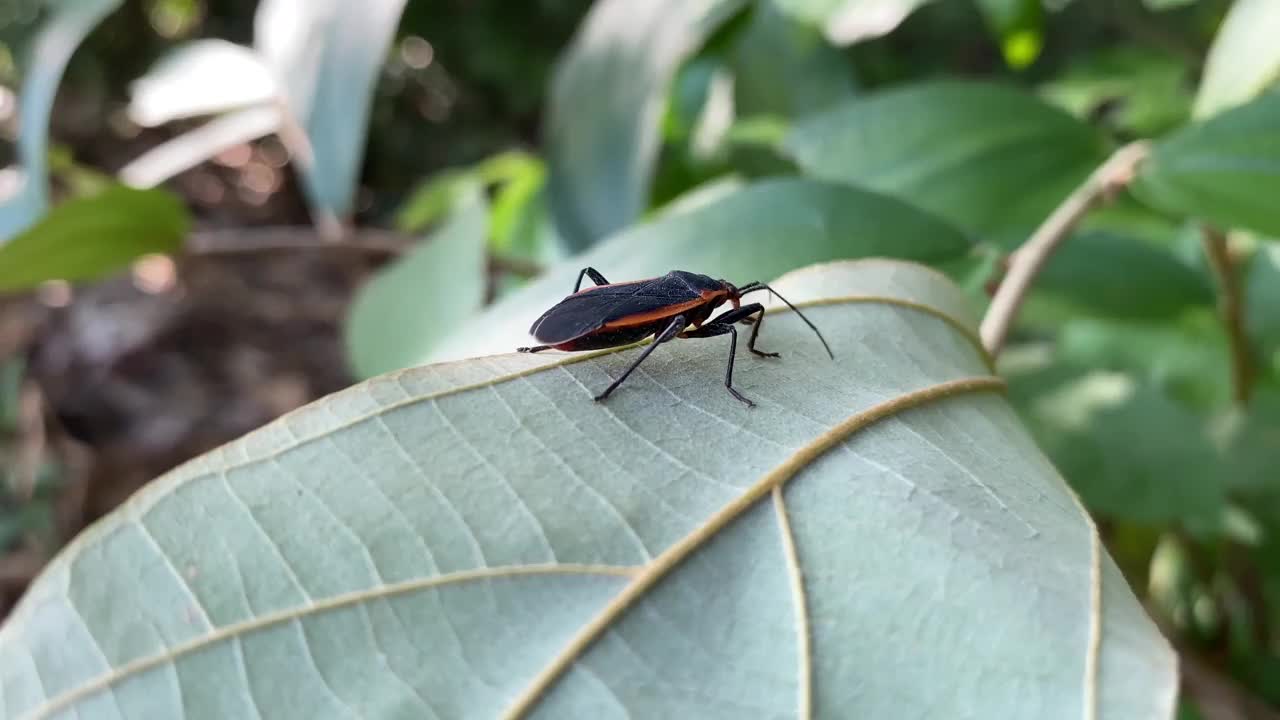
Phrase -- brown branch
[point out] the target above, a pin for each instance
(1231, 308)
(291, 237)
(373, 241)
(1026, 262)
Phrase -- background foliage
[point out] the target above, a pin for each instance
(353, 193)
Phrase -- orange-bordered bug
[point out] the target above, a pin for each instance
(614, 314)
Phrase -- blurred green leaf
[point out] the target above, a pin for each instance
(436, 197)
(92, 236)
(407, 308)
(1225, 170)
(606, 106)
(1262, 302)
(519, 221)
(1116, 276)
(1137, 90)
(1244, 59)
(784, 68)
(758, 232)
(1132, 452)
(1162, 5)
(989, 158)
(1187, 359)
(62, 31)
(1252, 445)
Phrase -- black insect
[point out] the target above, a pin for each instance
(614, 314)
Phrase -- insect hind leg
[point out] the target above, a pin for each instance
(678, 324)
(534, 349)
(592, 273)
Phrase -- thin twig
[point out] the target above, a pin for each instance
(294, 237)
(1117, 172)
(1231, 308)
(373, 241)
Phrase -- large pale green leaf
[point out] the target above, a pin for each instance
(878, 538)
(1225, 170)
(992, 159)
(1244, 59)
(413, 303)
(92, 236)
(606, 103)
(758, 232)
(67, 24)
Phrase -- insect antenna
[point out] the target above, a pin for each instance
(755, 286)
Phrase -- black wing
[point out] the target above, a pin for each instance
(591, 308)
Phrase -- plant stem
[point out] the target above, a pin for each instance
(1231, 308)
(1026, 262)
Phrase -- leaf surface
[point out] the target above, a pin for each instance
(878, 538)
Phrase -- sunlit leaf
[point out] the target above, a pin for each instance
(845, 22)
(92, 236)
(1244, 59)
(878, 538)
(201, 78)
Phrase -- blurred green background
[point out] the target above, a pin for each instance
(213, 212)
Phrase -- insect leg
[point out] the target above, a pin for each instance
(678, 323)
(741, 314)
(592, 273)
(534, 349)
(717, 327)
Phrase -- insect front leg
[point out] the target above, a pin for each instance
(714, 328)
(592, 273)
(742, 314)
(678, 324)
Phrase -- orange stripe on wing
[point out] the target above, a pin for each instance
(665, 311)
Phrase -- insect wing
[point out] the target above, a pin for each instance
(593, 308)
